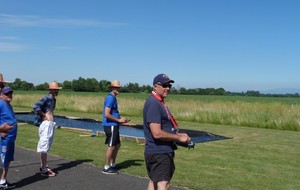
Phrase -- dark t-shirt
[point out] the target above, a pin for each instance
(154, 112)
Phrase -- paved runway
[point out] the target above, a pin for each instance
(24, 173)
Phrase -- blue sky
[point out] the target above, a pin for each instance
(238, 45)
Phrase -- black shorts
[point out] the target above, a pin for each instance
(160, 167)
(112, 135)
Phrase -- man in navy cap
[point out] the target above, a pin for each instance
(161, 134)
(7, 117)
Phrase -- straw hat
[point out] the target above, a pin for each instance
(115, 83)
(2, 80)
(54, 86)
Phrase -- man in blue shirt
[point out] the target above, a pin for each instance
(110, 120)
(4, 127)
(44, 110)
(7, 117)
(161, 134)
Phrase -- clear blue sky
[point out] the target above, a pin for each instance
(239, 45)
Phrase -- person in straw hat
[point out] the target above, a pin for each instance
(111, 120)
(2, 81)
(44, 109)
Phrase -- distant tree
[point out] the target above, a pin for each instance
(132, 87)
(210, 91)
(146, 89)
(91, 85)
(182, 90)
(174, 90)
(42, 86)
(220, 91)
(22, 85)
(190, 91)
(200, 91)
(252, 93)
(67, 85)
(17, 84)
(26, 86)
(79, 85)
(103, 85)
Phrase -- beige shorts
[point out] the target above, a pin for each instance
(46, 134)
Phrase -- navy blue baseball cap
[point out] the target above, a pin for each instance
(6, 90)
(162, 78)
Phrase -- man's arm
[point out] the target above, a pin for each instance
(4, 128)
(160, 134)
(38, 107)
(112, 118)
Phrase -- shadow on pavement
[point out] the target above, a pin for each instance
(38, 177)
(129, 163)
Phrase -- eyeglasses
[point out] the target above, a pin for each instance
(165, 85)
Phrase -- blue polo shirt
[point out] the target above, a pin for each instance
(112, 103)
(7, 115)
(154, 112)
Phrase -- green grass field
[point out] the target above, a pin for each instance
(253, 159)
(263, 151)
(258, 112)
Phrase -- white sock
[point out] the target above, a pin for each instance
(113, 164)
(2, 181)
(106, 167)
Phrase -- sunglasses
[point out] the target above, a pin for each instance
(9, 93)
(165, 85)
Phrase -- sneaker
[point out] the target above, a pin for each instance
(7, 185)
(50, 170)
(47, 172)
(110, 170)
(116, 167)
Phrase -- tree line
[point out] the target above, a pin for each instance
(93, 85)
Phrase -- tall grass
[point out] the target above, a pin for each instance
(256, 114)
(260, 112)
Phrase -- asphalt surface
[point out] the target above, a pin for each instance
(24, 173)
